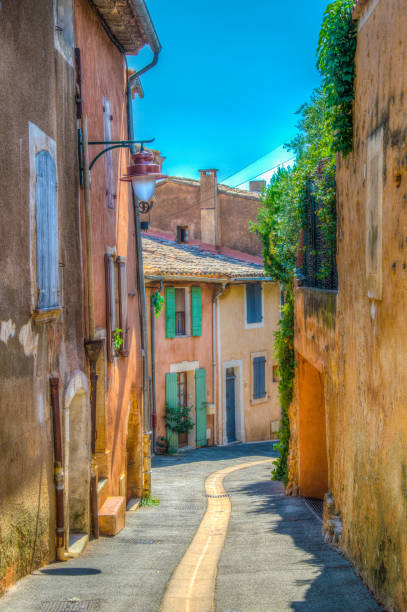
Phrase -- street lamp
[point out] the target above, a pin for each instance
(143, 174)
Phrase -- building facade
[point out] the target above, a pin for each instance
(203, 209)
(347, 419)
(198, 360)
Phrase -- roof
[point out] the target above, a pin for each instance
(233, 191)
(170, 259)
(129, 22)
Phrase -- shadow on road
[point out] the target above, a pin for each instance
(333, 583)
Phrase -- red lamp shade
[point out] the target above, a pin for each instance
(143, 173)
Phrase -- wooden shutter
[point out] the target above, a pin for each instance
(122, 276)
(254, 306)
(259, 377)
(170, 312)
(171, 390)
(46, 231)
(110, 304)
(200, 406)
(196, 311)
(107, 119)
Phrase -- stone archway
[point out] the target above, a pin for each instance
(312, 446)
(77, 455)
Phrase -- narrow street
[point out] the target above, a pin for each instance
(273, 558)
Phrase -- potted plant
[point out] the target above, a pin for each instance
(178, 420)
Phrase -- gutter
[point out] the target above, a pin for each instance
(218, 281)
(214, 360)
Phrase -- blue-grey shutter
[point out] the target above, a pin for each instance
(259, 377)
(254, 303)
(46, 230)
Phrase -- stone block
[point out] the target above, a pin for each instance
(112, 516)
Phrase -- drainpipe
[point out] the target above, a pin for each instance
(58, 470)
(153, 392)
(214, 361)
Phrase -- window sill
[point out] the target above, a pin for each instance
(260, 400)
(253, 325)
(47, 315)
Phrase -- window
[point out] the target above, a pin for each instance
(276, 374)
(180, 327)
(46, 231)
(254, 304)
(183, 311)
(182, 234)
(116, 306)
(259, 377)
(64, 35)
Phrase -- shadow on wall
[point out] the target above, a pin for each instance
(336, 587)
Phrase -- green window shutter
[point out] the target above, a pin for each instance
(196, 311)
(200, 407)
(170, 312)
(171, 390)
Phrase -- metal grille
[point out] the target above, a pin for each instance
(136, 541)
(316, 505)
(71, 605)
(317, 251)
(223, 495)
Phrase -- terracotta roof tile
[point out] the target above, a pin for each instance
(234, 191)
(166, 258)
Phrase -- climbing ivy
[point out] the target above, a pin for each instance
(284, 350)
(324, 129)
(336, 62)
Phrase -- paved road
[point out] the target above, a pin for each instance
(273, 558)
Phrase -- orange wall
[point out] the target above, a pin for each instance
(103, 74)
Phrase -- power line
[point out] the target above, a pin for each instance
(265, 171)
(247, 166)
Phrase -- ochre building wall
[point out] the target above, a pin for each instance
(120, 382)
(237, 344)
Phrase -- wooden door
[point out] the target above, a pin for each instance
(182, 403)
(230, 405)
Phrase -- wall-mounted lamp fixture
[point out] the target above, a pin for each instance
(143, 174)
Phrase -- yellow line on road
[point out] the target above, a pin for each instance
(192, 585)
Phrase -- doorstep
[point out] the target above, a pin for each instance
(77, 544)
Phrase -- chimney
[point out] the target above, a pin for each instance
(257, 186)
(209, 207)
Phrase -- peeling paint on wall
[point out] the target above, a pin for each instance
(28, 340)
(7, 329)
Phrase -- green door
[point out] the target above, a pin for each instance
(171, 400)
(200, 403)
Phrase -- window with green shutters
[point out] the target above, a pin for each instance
(196, 311)
(170, 312)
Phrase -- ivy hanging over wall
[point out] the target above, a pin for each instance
(324, 129)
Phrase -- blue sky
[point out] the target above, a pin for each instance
(229, 79)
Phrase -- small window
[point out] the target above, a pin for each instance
(182, 234)
(254, 303)
(116, 306)
(276, 375)
(259, 377)
(46, 231)
(64, 18)
(180, 325)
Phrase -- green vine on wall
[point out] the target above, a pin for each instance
(284, 347)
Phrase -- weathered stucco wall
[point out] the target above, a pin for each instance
(37, 89)
(238, 344)
(369, 463)
(235, 215)
(177, 204)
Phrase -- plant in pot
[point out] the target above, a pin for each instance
(178, 420)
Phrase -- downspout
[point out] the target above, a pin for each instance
(153, 391)
(62, 555)
(147, 416)
(214, 360)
